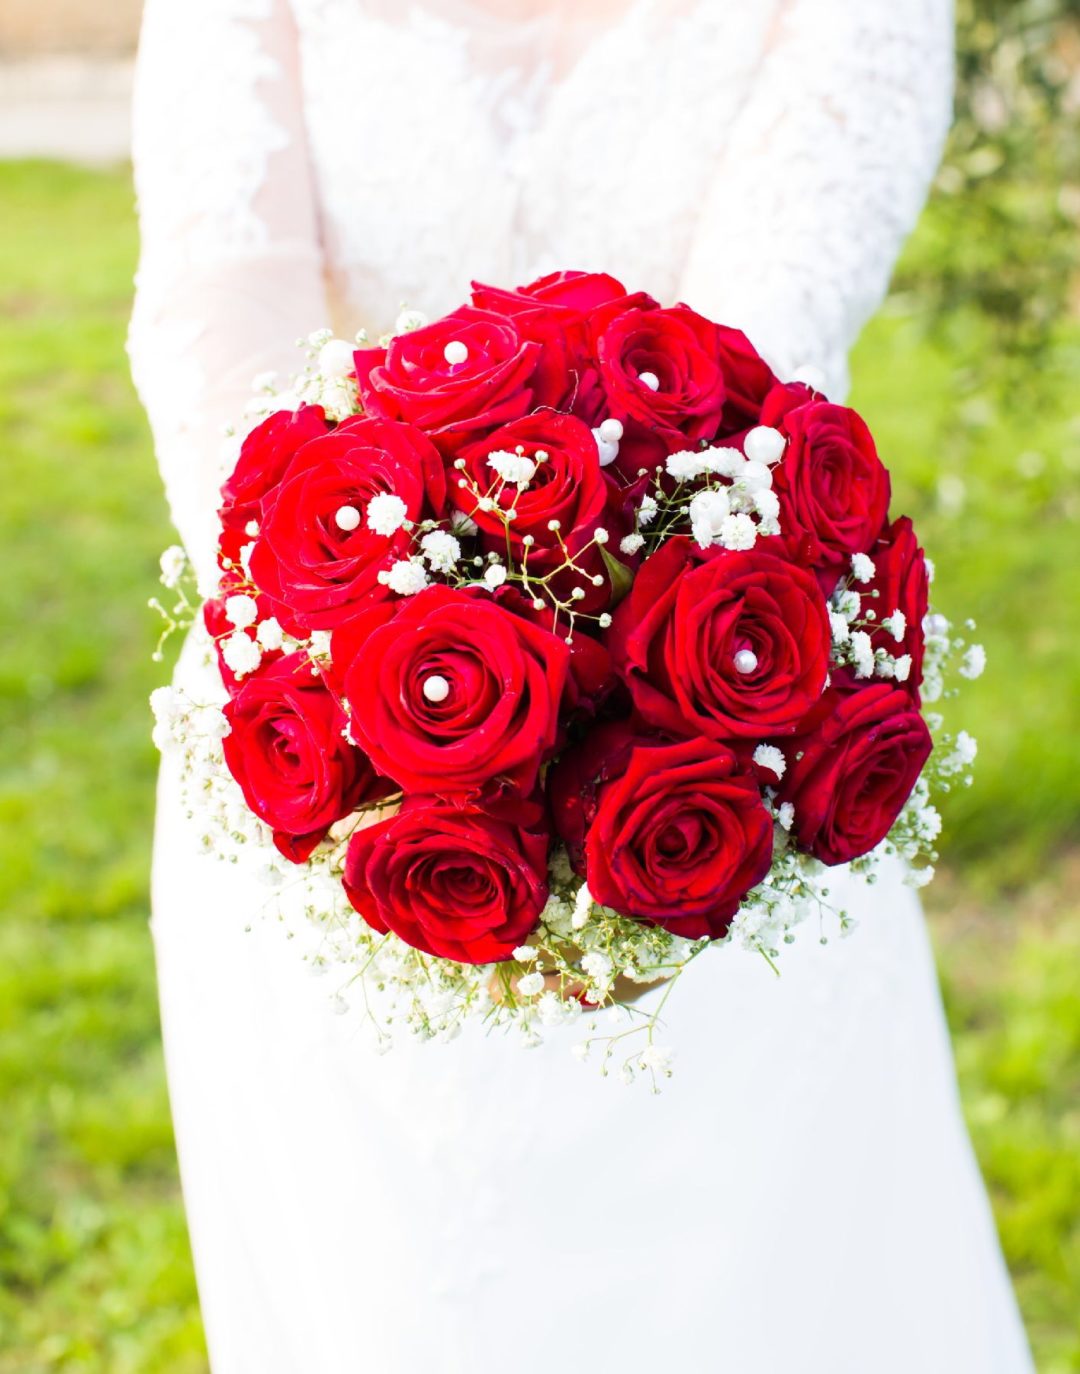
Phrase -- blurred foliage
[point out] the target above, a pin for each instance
(1002, 235)
(969, 377)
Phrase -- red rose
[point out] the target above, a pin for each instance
(316, 572)
(675, 834)
(264, 455)
(723, 644)
(568, 486)
(849, 777)
(453, 692)
(457, 882)
(833, 487)
(902, 584)
(554, 311)
(420, 377)
(677, 350)
(286, 750)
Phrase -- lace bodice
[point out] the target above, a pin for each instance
(302, 162)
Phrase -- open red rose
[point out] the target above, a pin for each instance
(458, 882)
(457, 378)
(723, 644)
(833, 487)
(286, 750)
(568, 485)
(672, 833)
(902, 584)
(678, 351)
(851, 774)
(316, 571)
(452, 693)
(264, 455)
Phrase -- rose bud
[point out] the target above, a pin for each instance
(286, 750)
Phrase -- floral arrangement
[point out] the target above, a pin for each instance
(559, 641)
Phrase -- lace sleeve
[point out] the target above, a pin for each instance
(230, 270)
(824, 176)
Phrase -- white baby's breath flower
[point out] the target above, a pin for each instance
(241, 611)
(896, 625)
(631, 544)
(269, 634)
(319, 644)
(386, 513)
(723, 462)
(708, 511)
(862, 567)
(786, 815)
(902, 667)
(524, 954)
(768, 756)
(656, 1059)
(168, 705)
(966, 748)
(848, 604)
(767, 505)
(863, 652)
(441, 550)
(685, 466)
(647, 511)
(173, 564)
(406, 577)
(495, 576)
(530, 984)
(973, 663)
(583, 905)
(839, 626)
(738, 532)
(514, 468)
(597, 967)
(241, 654)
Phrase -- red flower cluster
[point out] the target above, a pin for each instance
(630, 728)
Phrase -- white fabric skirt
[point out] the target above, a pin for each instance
(800, 1198)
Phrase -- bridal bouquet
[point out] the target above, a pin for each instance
(559, 641)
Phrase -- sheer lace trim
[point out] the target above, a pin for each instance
(198, 193)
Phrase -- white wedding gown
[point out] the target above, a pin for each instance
(802, 1197)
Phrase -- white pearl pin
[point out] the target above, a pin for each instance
(455, 352)
(347, 518)
(436, 688)
(745, 661)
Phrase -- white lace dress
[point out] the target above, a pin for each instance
(802, 1197)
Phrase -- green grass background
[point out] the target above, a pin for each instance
(95, 1270)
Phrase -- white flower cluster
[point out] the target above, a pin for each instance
(853, 617)
(738, 503)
